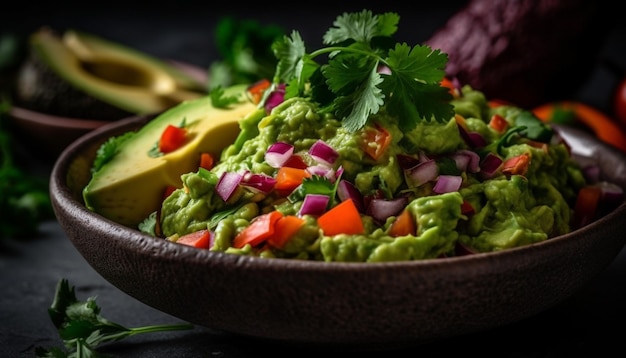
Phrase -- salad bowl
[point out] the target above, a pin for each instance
(340, 304)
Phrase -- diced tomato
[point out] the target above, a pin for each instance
(172, 138)
(375, 141)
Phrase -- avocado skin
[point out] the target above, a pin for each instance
(40, 89)
(58, 77)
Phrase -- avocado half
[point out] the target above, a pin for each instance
(129, 187)
(81, 75)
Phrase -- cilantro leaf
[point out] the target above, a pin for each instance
(290, 51)
(361, 27)
(360, 44)
(366, 99)
(220, 100)
(108, 150)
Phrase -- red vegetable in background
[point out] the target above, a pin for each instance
(619, 102)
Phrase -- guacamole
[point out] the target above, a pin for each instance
(525, 197)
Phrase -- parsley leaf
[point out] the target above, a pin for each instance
(83, 329)
(360, 43)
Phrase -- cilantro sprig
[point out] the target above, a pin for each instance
(83, 329)
(365, 72)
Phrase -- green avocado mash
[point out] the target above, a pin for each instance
(508, 210)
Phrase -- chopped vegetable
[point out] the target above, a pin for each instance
(586, 206)
(314, 204)
(604, 127)
(202, 239)
(206, 161)
(284, 229)
(288, 178)
(260, 229)
(619, 103)
(173, 137)
(228, 184)
(323, 153)
(403, 225)
(278, 154)
(257, 89)
(376, 140)
(83, 329)
(498, 123)
(517, 165)
(341, 219)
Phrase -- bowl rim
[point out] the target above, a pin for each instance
(62, 196)
(49, 120)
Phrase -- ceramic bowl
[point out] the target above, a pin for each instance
(343, 304)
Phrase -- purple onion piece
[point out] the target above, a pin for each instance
(382, 209)
(490, 164)
(323, 153)
(314, 204)
(422, 173)
(258, 182)
(228, 184)
(447, 184)
(346, 190)
(278, 153)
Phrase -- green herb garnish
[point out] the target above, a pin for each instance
(24, 197)
(360, 46)
(83, 329)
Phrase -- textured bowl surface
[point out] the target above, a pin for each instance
(362, 304)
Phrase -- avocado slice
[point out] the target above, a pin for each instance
(129, 187)
(81, 75)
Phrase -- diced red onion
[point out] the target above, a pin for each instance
(406, 161)
(592, 173)
(314, 204)
(383, 69)
(278, 153)
(346, 190)
(323, 171)
(477, 140)
(323, 153)
(276, 97)
(422, 173)
(611, 193)
(258, 182)
(447, 184)
(472, 139)
(461, 249)
(490, 164)
(228, 184)
(339, 172)
(467, 160)
(382, 209)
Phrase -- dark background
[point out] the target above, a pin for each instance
(588, 324)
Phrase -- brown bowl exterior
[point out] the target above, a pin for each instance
(362, 304)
